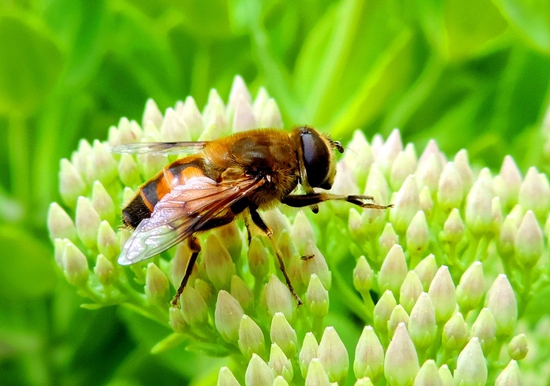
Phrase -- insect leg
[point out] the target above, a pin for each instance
(301, 200)
(269, 233)
(195, 247)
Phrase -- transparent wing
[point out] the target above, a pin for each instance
(162, 148)
(182, 212)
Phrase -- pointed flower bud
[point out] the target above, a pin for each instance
(534, 194)
(176, 319)
(389, 151)
(429, 171)
(257, 259)
(383, 310)
(406, 205)
(442, 294)
(393, 271)
(217, 260)
(195, 310)
(258, 372)
(152, 113)
(280, 381)
(310, 349)
(107, 241)
(71, 184)
(470, 290)
(510, 376)
(228, 316)
(283, 334)
(369, 356)
(316, 264)
(410, 291)
(75, 265)
(278, 298)
(363, 276)
(450, 190)
(87, 222)
(128, 170)
(102, 202)
(418, 235)
(231, 238)
(317, 300)
(517, 348)
(426, 271)
(60, 224)
(446, 376)
(471, 368)
(104, 270)
(333, 356)
(503, 305)
(529, 243)
(173, 128)
(156, 285)
(192, 118)
(226, 378)
(422, 325)
(387, 240)
(401, 362)
(508, 182)
(479, 214)
(428, 375)
(271, 115)
(426, 201)
(455, 333)
(316, 375)
(485, 328)
(398, 316)
(251, 338)
(403, 166)
(364, 382)
(101, 165)
(453, 229)
(242, 292)
(508, 231)
(280, 364)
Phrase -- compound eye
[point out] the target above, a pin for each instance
(316, 156)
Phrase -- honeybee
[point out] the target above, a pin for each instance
(236, 175)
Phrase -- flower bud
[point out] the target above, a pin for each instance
(442, 294)
(206, 291)
(383, 310)
(450, 191)
(508, 231)
(107, 241)
(508, 182)
(152, 113)
(241, 292)
(302, 231)
(471, 368)
(71, 184)
(278, 298)
(280, 364)
(455, 333)
(398, 316)
(453, 229)
(192, 118)
(60, 224)
(429, 171)
(101, 165)
(87, 222)
(226, 378)
(333, 356)
(363, 382)
(102, 202)
(517, 348)
(406, 205)
(128, 131)
(315, 264)
(195, 310)
(310, 349)
(258, 372)
(178, 265)
(393, 271)
(59, 251)
(317, 300)
(422, 323)
(426, 271)
(401, 362)
(363, 276)
(251, 338)
(280, 381)
(387, 240)
(369, 356)
(271, 115)
(75, 265)
(503, 305)
(428, 375)
(446, 376)
(173, 128)
(80, 157)
(128, 170)
(485, 328)
(510, 376)
(231, 238)
(258, 260)
(283, 334)
(470, 290)
(463, 167)
(403, 166)
(410, 291)
(316, 375)
(534, 194)
(389, 151)
(479, 214)
(227, 316)
(418, 235)
(359, 156)
(104, 270)
(176, 319)
(426, 201)
(529, 243)
(217, 260)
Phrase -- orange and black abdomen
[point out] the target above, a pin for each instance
(150, 193)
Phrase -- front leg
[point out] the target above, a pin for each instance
(301, 200)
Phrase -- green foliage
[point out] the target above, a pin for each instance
(472, 74)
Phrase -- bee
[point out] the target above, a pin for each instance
(225, 178)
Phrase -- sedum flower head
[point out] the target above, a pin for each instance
(431, 291)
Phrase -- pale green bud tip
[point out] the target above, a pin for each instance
(242, 292)
(428, 375)
(470, 290)
(426, 271)
(87, 222)
(194, 310)
(334, 356)
(410, 291)
(156, 285)
(517, 348)
(393, 271)
(442, 294)
(471, 368)
(485, 328)
(258, 372)
(251, 338)
(503, 305)
(317, 299)
(389, 151)
(226, 378)
(317, 264)
(369, 356)
(228, 316)
(217, 260)
(450, 190)
(258, 261)
(363, 276)
(406, 205)
(60, 224)
(446, 376)
(479, 212)
(75, 265)
(387, 239)
(280, 363)
(401, 362)
(510, 376)
(107, 241)
(422, 325)
(283, 334)
(128, 170)
(533, 192)
(398, 315)
(101, 165)
(418, 234)
(364, 382)
(383, 310)
(71, 184)
(309, 351)
(104, 270)
(102, 202)
(453, 229)
(316, 375)
(177, 322)
(529, 243)
(278, 298)
(455, 332)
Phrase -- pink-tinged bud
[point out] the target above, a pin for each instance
(214, 118)
(377, 185)
(227, 316)
(173, 128)
(71, 184)
(258, 372)
(243, 118)
(446, 376)
(195, 310)
(60, 224)
(217, 260)
(226, 378)
(485, 328)
(471, 367)
(429, 171)
(151, 113)
(534, 193)
(369, 356)
(479, 213)
(128, 170)
(192, 118)
(80, 157)
(401, 362)
(87, 222)
(418, 235)
(241, 292)
(301, 231)
(393, 271)
(315, 264)
(501, 300)
(258, 261)
(251, 338)
(286, 246)
(383, 310)
(498, 217)
(406, 205)
(75, 265)
(508, 182)
(333, 355)
(471, 288)
(359, 155)
(450, 190)
(432, 149)
(398, 316)
(357, 230)
(455, 333)
(426, 201)
(508, 231)
(426, 271)
(510, 376)
(428, 375)
(317, 300)
(363, 276)
(280, 363)
(107, 241)
(422, 323)
(403, 166)
(104, 271)
(410, 291)
(442, 294)
(271, 115)
(462, 164)
(101, 165)
(529, 243)
(176, 320)
(453, 229)
(376, 144)
(102, 202)
(310, 349)
(278, 298)
(316, 375)
(517, 348)
(283, 334)
(276, 221)
(238, 90)
(387, 240)
(389, 151)
(129, 131)
(59, 250)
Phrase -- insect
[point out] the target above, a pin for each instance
(236, 175)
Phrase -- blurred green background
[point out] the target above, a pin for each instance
(472, 74)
